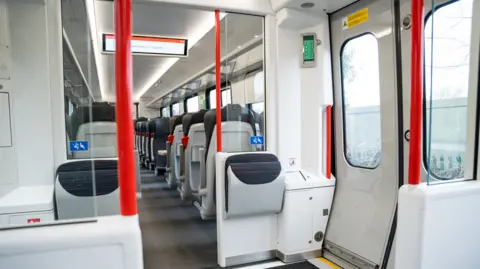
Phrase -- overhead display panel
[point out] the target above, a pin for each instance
(150, 45)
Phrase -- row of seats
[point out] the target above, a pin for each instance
(150, 138)
(191, 149)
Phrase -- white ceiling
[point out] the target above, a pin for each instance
(150, 19)
(155, 76)
(328, 6)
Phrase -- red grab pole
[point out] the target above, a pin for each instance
(329, 142)
(218, 81)
(123, 85)
(414, 159)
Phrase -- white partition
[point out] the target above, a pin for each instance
(5, 126)
(109, 242)
(438, 226)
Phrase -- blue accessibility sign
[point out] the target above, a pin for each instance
(257, 140)
(78, 146)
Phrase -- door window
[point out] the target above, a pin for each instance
(361, 101)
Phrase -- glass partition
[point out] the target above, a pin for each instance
(448, 34)
(91, 136)
(242, 69)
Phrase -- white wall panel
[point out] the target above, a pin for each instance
(30, 90)
(315, 82)
(5, 127)
(55, 53)
(289, 96)
(4, 42)
(300, 131)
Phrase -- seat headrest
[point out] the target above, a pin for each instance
(141, 119)
(191, 119)
(151, 125)
(161, 127)
(96, 113)
(68, 126)
(186, 123)
(143, 126)
(171, 124)
(137, 122)
(261, 123)
(178, 120)
(231, 112)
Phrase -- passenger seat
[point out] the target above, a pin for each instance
(174, 174)
(238, 125)
(160, 144)
(100, 131)
(193, 141)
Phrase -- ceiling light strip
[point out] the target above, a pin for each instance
(233, 55)
(203, 28)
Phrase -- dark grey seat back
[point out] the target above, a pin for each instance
(98, 112)
(231, 112)
(160, 141)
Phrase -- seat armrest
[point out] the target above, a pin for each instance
(182, 163)
(169, 150)
(202, 191)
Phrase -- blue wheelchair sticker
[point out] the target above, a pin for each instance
(78, 146)
(256, 140)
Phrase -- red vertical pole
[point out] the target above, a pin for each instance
(218, 81)
(414, 159)
(123, 85)
(328, 170)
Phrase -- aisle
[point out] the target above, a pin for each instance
(174, 236)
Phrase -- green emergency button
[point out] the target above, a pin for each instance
(308, 48)
(310, 43)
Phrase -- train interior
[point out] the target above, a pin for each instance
(263, 134)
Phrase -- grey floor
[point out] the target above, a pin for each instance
(174, 235)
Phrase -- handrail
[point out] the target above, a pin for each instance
(218, 81)
(328, 164)
(123, 85)
(414, 158)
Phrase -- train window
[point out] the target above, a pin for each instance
(192, 104)
(361, 101)
(258, 107)
(212, 99)
(226, 97)
(446, 88)
(165, 112)
(175, 109)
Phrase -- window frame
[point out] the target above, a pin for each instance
(424, 104)
(342, 89)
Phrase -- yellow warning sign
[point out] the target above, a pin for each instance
(356, 18)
